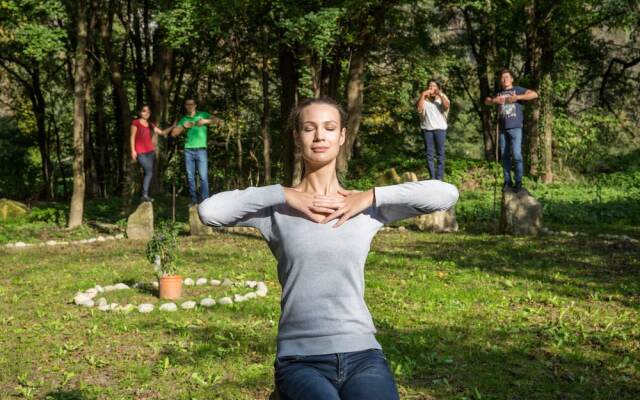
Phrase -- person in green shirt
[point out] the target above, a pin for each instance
(195, 147)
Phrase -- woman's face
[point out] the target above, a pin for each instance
(145, 113)
(320, 134)
(433, 87)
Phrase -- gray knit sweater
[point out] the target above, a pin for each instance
(321, 268)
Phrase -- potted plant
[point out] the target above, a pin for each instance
(161, 252)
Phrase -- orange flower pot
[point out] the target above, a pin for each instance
(171, 287)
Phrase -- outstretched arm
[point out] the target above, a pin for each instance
(248, 207)
(411, 199)
(209, 121)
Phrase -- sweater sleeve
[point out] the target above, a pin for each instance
(248, 207)
(396, 202)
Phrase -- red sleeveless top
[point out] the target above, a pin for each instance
(143, 143)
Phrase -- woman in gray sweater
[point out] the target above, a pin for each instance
(320, 233)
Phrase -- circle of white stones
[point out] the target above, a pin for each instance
(86, 298)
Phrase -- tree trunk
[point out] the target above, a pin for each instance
(39, 109)
(80, 78)
(289, 77)
(266, 115)
(532, 69)
(122, 108)
(100, 136)
(355, 99)
(483, 49)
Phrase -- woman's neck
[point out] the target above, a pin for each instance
(322, 180)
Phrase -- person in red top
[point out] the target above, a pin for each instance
(143, 149)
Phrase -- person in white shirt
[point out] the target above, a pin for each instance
(433, 107)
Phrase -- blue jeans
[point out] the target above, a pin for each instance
(357, 375)
(511, 139)
(197, 159)
(146, 161)
(434, 140)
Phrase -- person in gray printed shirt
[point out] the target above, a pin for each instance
(320, 234)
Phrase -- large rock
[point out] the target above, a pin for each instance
(11, 209)
(197, 227)
(140, 223)
(439, 221)
(390, 177)
(521, 213)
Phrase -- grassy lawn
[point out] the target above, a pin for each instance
(460, 316)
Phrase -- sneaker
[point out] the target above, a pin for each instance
(506, 186)
(518, 187)
(147, 198)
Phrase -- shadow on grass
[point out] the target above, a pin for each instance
(67, 395)
(575, 267)
(454, 361)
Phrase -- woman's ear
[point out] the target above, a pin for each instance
(343, 135)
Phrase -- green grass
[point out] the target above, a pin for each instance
(460, 316)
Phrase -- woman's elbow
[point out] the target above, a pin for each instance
(208, 215)
(448, 195)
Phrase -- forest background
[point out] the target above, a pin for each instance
(73, 74)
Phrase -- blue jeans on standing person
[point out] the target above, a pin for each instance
(196, 159)
(510, 142)
(358, 375)
(434, 141)
(146, 161)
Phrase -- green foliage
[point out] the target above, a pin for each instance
(162, 249)
(49, 215)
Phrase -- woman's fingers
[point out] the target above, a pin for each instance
(322, 210)
(343, 219)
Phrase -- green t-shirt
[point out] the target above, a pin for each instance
(196, 135)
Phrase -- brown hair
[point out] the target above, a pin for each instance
(294, 122)
(506, 71)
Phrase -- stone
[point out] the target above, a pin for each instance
(402, 229)
(86, 303)
(113, 306)
(103, 307)
(100, 239)
(11, 209)
(197, 228)
(225, 301)
(250, 295)
(169, 307)
(121, 286)
(99, 288)
(20, 244)
(119, 236)
(188, 282)
(145, 308)
(127, 308)
(261, 289)
(82, 297)
(101, 302)
(201, 281)
(439, 221)
(155, 284)
(188, 305)
(91, 240)
(521, 213)
(140, 222)
(250, 284)
(207, 302)
(92, 291)
(409, 177)
(51, 243)
(215, 282)
(390, 177)
(238, 298)
(227, 283)
(109, 288)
